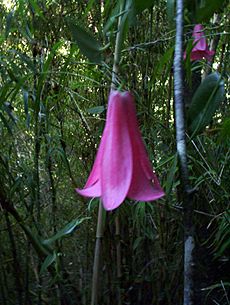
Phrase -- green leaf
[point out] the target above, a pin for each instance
(68, 229)
(225, 130)
(207, 9)
(9, 19)
(29, 63)
(89, 7)
(166, 59)
(5, 122)
(16, 185)
(48, 261)
(36, 8)
(26, 108)
(96, 110)
(216, 286)
(87, 43)
(137, 242)
(7, 107)
(112, 18)
(205, 102)
(46, 66)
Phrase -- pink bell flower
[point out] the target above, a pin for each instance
(200, 49)
(121, 168)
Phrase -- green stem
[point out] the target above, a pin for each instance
(117, 51)
(97, 255)
(100, 224)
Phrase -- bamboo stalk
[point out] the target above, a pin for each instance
(118, 253)
(182, 154)
(117, 51)
(114, 83)
(100, 229)
(16, 265)
(97, 254)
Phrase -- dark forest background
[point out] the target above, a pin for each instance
(56, 61)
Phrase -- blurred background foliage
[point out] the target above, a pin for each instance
(56, 61)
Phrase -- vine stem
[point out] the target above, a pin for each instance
(182, 155)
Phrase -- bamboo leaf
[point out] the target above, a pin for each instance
(46, 66)
(26, 107)
(5, 122)
(9, 19)
(96, 110)
(48, 261)
(87, 43)
(36, 8)
(205, 102)
(68, 229)
(171, 10)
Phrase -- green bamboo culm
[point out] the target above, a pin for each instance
(100, 225)
(97, 255)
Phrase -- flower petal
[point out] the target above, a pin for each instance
(117, 162)
(137, 142)
(92, 187)
(142, 187)
(92, 190)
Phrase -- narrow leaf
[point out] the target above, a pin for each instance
(5, 122)
(68, 229)
(96, 110)
(171, 10)
(87, 43)
(48, 261)
(9, 19)
(26, 108)
(36, 8)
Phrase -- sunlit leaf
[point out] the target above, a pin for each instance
(36, 8)
(9, 19)
(96, 110)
